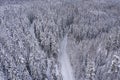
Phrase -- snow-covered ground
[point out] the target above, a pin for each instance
(66, 68)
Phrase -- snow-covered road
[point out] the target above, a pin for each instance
(66, 68)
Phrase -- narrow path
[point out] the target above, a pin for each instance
(66, 68)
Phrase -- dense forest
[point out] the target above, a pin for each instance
(59, 39)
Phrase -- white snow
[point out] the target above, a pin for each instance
(66, 68)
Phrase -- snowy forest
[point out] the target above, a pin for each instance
(59, 39)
